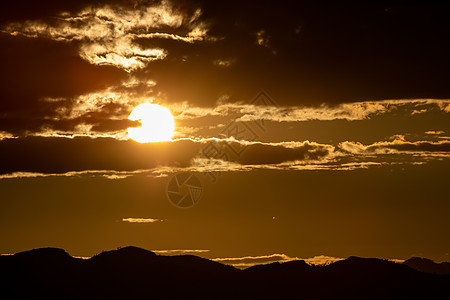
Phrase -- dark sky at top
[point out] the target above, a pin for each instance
(315, 52)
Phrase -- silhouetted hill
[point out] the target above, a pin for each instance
(124, 257)
(428, 266)
(134, 272)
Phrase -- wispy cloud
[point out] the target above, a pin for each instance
(180, 251)
(108, 174)
(255, 259)
(397, 146)
(248, 261)
(6, 135)
(103, 113)
(435, 132)
(141, 220)
(107, 34)
(345, 111)
(46, 132)
(396, 260)
(322, 260)
(445, 106)
(224, 63)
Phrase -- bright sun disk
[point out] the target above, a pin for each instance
(157, 123)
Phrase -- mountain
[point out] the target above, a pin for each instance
(428, 266)
(133, 272)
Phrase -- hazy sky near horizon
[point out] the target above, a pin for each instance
(314, 128)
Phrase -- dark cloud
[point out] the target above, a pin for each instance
(59, 155)
(398, 145)
(318, 52)
(274, 154)
(419, 146)
(13, 11)
(33, 69)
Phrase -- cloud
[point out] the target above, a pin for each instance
(262, 39)
(39, 69)
(141, 220)
(60, 155)
(416, 112)
(107, 157)
(36, 156)
(103, 113)
(397, 260)
(107, 34)
(396, 146)
(196, 34)
(254, 259)
(80, 132)
(248, 261)
(322, 260)
(135, 35)
(256, 153)
(81, 257)
(115, 104)
(6, 135)
(445, 106)
(108, 174)
(435, 132)
(344, 111)
(224, 63)
(180, 251)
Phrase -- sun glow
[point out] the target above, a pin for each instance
(157, 123)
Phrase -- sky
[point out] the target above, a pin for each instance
(303, 129)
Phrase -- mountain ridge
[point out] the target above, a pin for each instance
(427, 265)
(132, 271)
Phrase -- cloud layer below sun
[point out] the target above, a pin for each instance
(115, 159)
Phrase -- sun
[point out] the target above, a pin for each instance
(157, 123)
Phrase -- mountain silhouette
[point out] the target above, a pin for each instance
(134, 272)
(427, 265)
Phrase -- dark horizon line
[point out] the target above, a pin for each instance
(412, 260)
